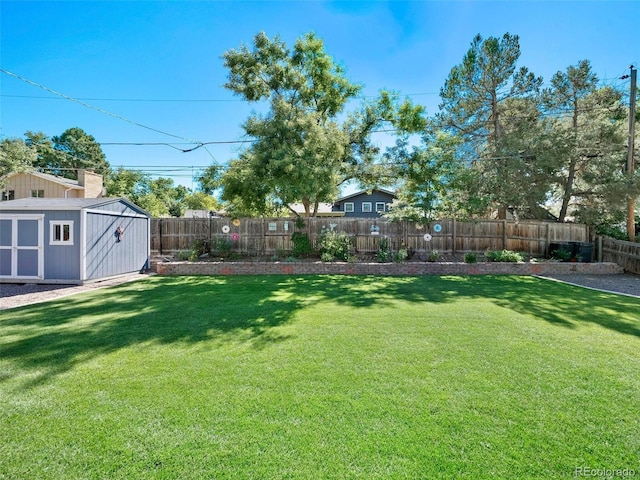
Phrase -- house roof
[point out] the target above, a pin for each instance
(361, 192)
(65, 204)
(65, 182)
(322, 207)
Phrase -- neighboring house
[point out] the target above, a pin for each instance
(365, 204)
(324, 210)
(44, 185)
(71, 240)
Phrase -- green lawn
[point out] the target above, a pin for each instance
(321, 377)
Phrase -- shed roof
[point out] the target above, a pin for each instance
(65, 204)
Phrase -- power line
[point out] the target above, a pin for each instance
(119, 117)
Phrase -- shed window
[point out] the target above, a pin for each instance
(37, 193)
(348, 207)
(380, 206)
(366, 207)
(8, 195)
(61, 233)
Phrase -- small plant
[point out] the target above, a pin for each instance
(561, 254)
(326, 257)
(384, 251)
(301, 245)
(278, 255)
(335, 246)
(401, 255)
(470, 257)
(504, 256)
(434, 256)
(183, 255)
(221, 247)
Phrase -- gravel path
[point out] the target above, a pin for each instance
(18, 294)
(15, 295)
(624, 283)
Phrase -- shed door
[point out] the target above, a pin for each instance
(21, 247)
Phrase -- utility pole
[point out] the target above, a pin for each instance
(631, 218)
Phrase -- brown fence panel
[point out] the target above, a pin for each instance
(262, 236)
(626, 254)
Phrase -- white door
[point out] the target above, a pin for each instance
(21, 247)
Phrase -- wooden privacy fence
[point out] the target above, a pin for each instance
(267, 236)
(625, 254)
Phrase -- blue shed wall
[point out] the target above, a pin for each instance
(62, 262)
(105, 255)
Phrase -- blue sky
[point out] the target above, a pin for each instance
(159, 64)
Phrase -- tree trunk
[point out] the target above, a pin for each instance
(568, 190)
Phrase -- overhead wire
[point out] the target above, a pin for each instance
(98, 109)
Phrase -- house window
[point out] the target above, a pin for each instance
(380, 206)
(366, 207)
(37, 193)
(61, 233)
(8, 195)
(348, 207)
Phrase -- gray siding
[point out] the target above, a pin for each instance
(62, 262)
(357, 200)
(105, 256)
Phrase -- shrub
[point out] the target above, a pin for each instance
(433, 256)
(326, 257)
(401, 255)
(221, 246)
(384, 251)
(335, 246)
(183, 254)
(301, 245)
(561, 254)
(504, 256)
(470, 257)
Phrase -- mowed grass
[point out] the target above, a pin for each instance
(321, 377)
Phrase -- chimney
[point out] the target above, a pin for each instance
(92, 183)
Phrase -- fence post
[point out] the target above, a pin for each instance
(599, 247)
(453, 237)
(546, 247)
(504, 234)
(160, 235)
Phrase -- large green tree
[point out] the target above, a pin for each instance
(589, 127)
(306, 145)
(15, 156)
(161, 197)
(481, 98)
(65, 154)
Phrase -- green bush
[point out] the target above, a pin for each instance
(334, 246)
(504, 256)
(470, 257)
(221, 247)
(326, 257)
(183, 254)
(384, 251)
(561, 254)
(433, 256)
(301, 245)
(401, 255)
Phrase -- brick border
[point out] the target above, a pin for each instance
(385, 269)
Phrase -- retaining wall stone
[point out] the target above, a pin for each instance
(385, 269)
